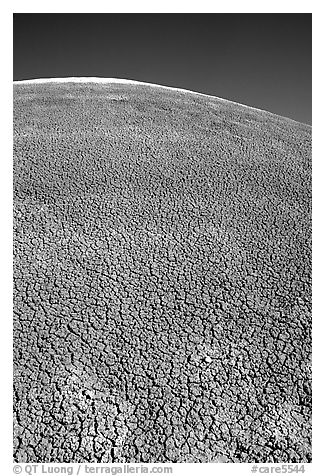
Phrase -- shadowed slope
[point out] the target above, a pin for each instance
(162, 277)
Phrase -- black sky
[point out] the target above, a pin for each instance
(262, 60)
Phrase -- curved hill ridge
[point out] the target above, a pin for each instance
(101, 80)
(162, 277)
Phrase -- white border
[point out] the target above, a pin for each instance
(60, 6)
(160, 6)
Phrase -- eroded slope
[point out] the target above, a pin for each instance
(162, 278)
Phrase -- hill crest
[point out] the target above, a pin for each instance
(102, 80)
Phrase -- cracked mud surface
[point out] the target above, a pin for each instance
(162, 278)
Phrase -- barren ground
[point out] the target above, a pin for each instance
(162, 278)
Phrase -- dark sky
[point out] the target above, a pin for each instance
(262, 60)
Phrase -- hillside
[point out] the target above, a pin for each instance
(162, 277)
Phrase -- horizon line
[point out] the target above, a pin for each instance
(102, 80)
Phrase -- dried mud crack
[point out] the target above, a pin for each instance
(162, 278)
